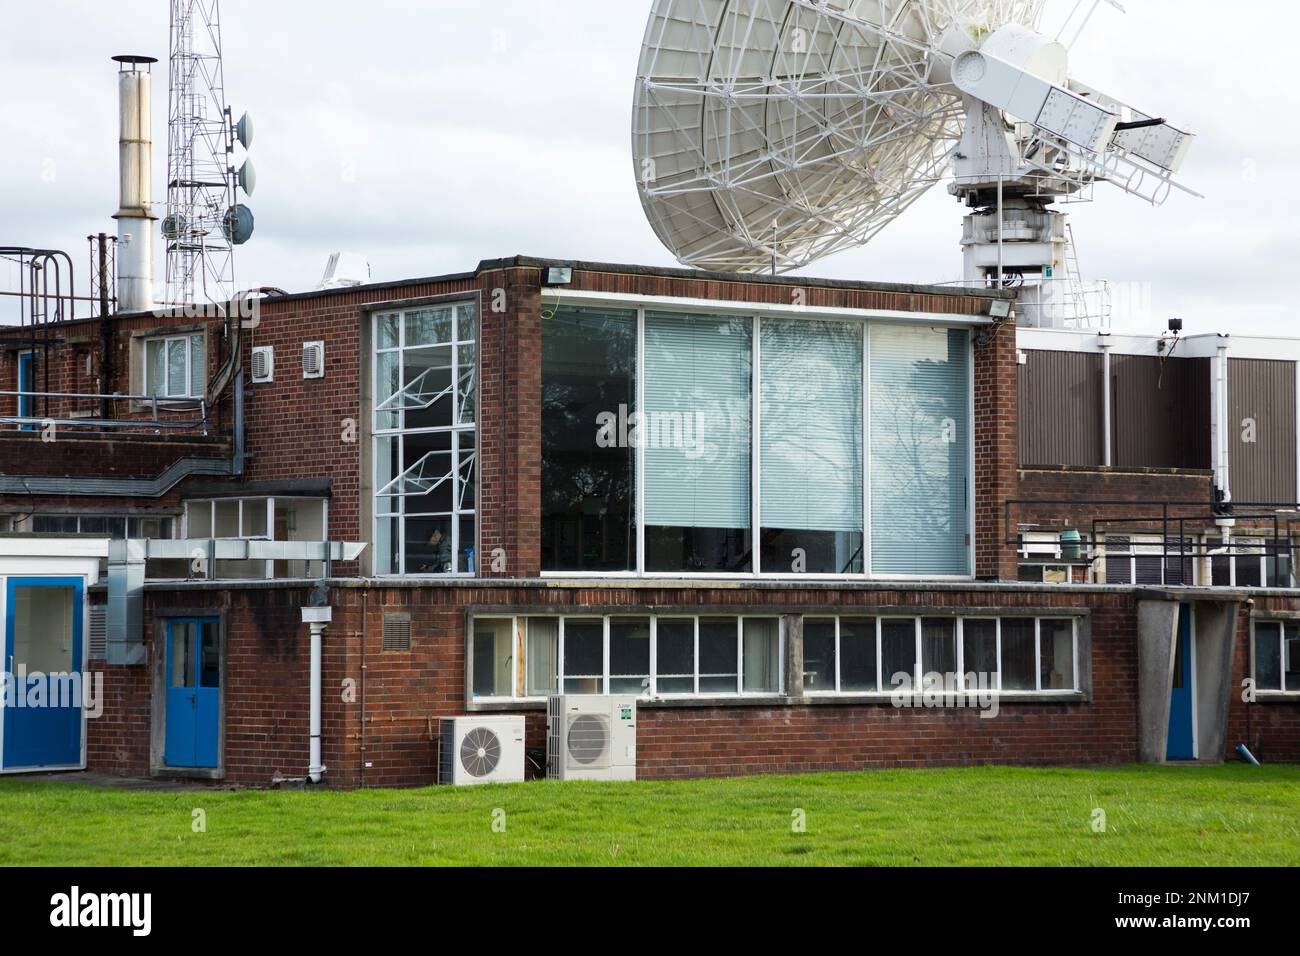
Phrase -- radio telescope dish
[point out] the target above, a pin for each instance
(771, 133)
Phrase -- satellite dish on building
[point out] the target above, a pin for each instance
(345, 270)
(238, 224)
(768, 134)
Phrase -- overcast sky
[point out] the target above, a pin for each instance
(430, 134)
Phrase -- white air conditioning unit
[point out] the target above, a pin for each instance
(313, 360)
(480, 750)
(591, 738)
(263, 364)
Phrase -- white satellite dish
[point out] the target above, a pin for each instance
(771, 133)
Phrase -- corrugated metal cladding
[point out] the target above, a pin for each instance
(1160, 410)
(1060, 408)
(1262, 415)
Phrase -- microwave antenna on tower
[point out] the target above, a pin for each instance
(205, 220)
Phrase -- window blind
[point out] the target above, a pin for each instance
(696, 429)
(919, 450)
(811, 425)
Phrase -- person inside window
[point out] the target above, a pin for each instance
(440, 554)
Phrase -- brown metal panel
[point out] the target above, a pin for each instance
(1160, 411)
(1262, 430)
(1060, 399)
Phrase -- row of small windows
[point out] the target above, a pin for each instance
(675, 656)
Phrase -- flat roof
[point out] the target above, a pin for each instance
(582, 265)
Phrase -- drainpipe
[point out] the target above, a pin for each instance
(317, 618)
(1106, 438)
(1220, 430)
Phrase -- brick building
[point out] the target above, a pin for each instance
(752, 502)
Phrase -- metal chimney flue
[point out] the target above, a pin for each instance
(135, 217)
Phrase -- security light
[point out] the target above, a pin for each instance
(558, 275)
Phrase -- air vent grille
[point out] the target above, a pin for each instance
(263, 364)
(313, 360)
(98, 643)
(397, 632)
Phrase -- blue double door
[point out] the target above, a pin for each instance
(43, 712)
(1182, 693)
(193, 718)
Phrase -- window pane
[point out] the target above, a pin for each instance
(387, 330)
(675, 655)
(858, 655)
(198, 366)
(155, 367)
(762, 655)
(1018, 653)
(177, 366)
(466, 379)
(183, 650)
(1249, 571)
(938, 651)
(588, 394)
(428, 394)
(1149, 569)
(493, 658)
(718, 655)
(209, 655)
(818, 654)
(254, 525)
(429, 480)
(198, 519)
(1291, 651)
(428, 326)
(467, 322)
(1220, 564)
(467, 557)
(42, 635)
(1268, 656)
(428, 546)
(1056, 664)
(543, 639)
(584, 656)
(226, 518)
(696, 440)
(812, 446)
(388, 382)
(919, 450)
(629, 655)
(898, 653)
(980, 653)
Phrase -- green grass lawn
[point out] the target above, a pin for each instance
(1232, 815)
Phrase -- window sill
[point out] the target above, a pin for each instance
(499, 705)
(1277, 696)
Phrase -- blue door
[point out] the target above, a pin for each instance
(1182, 743)
(27, 383)
(193, 693)
(43, 716)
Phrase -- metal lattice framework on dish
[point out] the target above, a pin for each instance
(772, 133)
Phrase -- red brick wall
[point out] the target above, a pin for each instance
(995, 450)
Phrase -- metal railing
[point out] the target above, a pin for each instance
(156, 404)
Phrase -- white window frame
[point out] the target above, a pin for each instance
(249, 504)
(865, 318)
(186, 337)
(457, 429)
(1285, 690)
(885, 690)
(1232, 542)
(519, 664)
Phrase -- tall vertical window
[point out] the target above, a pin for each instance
(811, 446)
(696, 439)
(920, 450)
(588, 478)
(175, 366)
(426, 450)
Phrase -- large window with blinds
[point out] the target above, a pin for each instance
(684, 443)
(695, 434)
(811, 434)
(920, 450)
